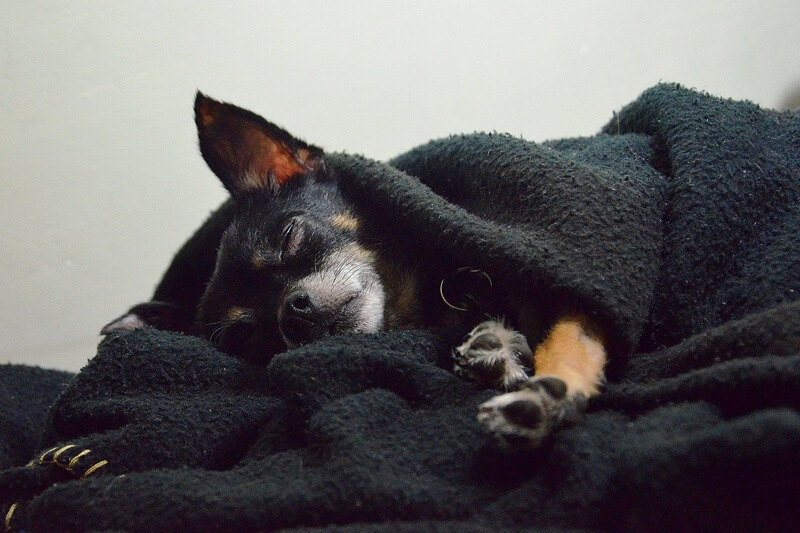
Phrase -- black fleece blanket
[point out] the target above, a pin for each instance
(678, 226)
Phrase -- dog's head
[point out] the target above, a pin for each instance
(290, 268)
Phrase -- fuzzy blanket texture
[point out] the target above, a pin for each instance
(678, 226)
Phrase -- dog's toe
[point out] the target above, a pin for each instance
(553, 386)
(527, 416)
(494, 355)
(516, 418)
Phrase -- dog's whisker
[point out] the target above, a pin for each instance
(218, 332)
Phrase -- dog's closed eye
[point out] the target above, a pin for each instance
(236, 334)
(291, 238)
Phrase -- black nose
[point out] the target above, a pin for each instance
(299, 305)
(301, 320)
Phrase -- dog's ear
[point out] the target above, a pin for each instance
(160, 315)
(248, 153)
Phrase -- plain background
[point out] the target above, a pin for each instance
(100, 177)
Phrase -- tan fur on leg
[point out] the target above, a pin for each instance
(574, 352)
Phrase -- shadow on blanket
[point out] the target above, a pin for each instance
(679, 225)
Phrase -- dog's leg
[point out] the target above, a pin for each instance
(569, 369)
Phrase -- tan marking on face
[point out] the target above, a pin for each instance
(345, 221)
(404, 301)
(257, 260)
(235, 313)
(402, 294)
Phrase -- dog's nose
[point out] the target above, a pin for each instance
(299, 304)
(302, 320)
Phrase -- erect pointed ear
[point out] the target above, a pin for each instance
(248, 153)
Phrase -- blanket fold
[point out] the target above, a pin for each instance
(677, 226)
(556, 221)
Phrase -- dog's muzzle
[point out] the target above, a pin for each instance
(303, 320)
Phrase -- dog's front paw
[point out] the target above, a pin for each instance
(494, 355)
(524, 418)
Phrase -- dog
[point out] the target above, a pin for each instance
(297, 264)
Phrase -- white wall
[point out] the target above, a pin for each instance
(100, 179)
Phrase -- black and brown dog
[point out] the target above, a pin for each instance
(297, 264)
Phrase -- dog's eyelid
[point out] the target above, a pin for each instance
(237, 332)
(287, 228)
(291, 237)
